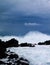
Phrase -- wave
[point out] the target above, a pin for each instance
(30, 37)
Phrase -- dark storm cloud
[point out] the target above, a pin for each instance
(28, 7)
(14, 13)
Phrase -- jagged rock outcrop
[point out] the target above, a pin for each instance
(10, 43)
(14, 43)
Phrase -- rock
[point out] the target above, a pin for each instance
(47, 42)
(23, 45)
(13, 59)
(41, 43)
(13, 56)
(12, 43)
(2, 49)
(22, 61)
(26, 45)
(10, 58)
(44, 43)
(1, 62)
(31, 45)
(2, 43)
(2, 52)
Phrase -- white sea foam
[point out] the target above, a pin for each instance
(39, 55)
(30, 37)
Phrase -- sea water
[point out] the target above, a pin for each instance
(39, 55)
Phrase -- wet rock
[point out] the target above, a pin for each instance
(1, 62)
(13, 56)
(2, 52)
(26, 45)
(22, 61)
(47, 42)
(12, 43)
(41, 43)
(13, 59)
(44, 43)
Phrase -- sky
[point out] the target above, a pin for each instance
(18, 17)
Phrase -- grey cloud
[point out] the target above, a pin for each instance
(31, 7)
(28, 7)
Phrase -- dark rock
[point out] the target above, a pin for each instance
(23, 45)
(2, 52)
(44, 43)
(47, 42)
(12, 43)
(13, 56)
(1, 62)
(3, 55)
(2, 49)
(22, 61)
(2, 43)
(26, 45)
(13, 59)
(41, 43)
(31, 45)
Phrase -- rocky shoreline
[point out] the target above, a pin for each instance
(11, 58)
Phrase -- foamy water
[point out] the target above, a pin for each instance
(39, 55)
(30, 37)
